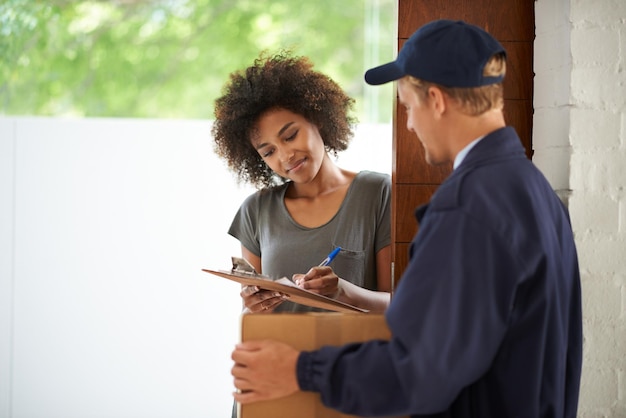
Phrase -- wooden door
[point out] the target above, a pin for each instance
(512, 22)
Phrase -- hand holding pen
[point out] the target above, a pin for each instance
(320, 279)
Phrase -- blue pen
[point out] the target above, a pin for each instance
(330, 257)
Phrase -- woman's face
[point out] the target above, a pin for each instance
(289, 144)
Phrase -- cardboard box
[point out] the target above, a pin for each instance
(307, 331)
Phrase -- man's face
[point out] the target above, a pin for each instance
(421, 120)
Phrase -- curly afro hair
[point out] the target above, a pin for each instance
(278, 81)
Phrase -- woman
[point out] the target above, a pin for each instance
(275, 126)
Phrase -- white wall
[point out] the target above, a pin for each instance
(105, 225)
(580, 143)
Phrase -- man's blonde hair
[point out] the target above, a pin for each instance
(472, 101)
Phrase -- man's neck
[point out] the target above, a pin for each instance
(469, 128)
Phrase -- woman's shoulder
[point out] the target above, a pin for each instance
(265, 195)
(373, 179)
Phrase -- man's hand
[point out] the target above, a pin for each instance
(264, 370)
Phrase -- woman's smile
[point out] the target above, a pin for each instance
(295, 166)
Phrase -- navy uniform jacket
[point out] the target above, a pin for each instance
(486, 320)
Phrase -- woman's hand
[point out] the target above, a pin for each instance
(321, 280)
(259, 300)
(324, 281)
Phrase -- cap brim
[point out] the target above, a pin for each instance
(383, 74)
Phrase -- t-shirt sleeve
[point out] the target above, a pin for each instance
(244, 226)
(383, 227)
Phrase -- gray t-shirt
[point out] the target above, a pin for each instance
(361, 227)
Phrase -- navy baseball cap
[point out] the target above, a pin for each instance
(446, 52)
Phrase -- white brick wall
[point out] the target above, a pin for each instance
(579, 138)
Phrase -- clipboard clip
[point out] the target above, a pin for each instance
(241, 265)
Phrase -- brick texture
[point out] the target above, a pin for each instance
(584, 60)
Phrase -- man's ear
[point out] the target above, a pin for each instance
(437, 100)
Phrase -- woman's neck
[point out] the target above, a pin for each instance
(329, 178)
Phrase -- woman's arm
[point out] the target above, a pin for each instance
(255, 299)
(383, 269)
(374, 301)
(323, 280)
(251, 258)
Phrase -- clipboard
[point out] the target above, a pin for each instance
(243, 273)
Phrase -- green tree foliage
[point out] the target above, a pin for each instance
(170, 58)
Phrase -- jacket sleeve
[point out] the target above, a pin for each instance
(447, 319)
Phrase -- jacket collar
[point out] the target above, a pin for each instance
(502, 143)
